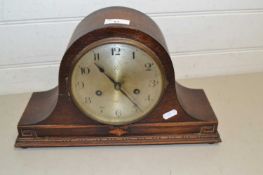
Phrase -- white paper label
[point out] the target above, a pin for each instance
(169, 114)
(117, 21)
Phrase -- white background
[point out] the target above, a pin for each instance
(204, 37)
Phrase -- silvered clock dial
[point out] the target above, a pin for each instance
(116, 81)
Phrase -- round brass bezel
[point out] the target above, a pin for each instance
(116, 40)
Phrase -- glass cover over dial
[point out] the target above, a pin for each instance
(116, 83)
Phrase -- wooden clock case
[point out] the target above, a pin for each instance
(52, 119)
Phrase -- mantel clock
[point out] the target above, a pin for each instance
(117, 87)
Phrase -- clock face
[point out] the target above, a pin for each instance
(116, 83)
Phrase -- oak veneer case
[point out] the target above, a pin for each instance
(51, 119)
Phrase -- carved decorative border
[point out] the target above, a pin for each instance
(28, 133)
(208, 129)
(128, 140)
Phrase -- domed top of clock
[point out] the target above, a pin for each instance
(116, 22)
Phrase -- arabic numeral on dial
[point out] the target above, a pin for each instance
(133, 55)
(101, 109)
(118, 113)
(149, 98)
(96, 56)
(136, 108)
(115, 51)
(84, 70)
(80, 84)
(148, 66)
(153, 83)
(87, 100)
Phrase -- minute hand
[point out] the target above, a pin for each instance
(125, 94)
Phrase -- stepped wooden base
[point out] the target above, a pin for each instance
(105, 141)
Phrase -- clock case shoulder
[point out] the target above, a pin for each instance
(52, 119)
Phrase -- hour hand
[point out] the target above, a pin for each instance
(102, 71)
